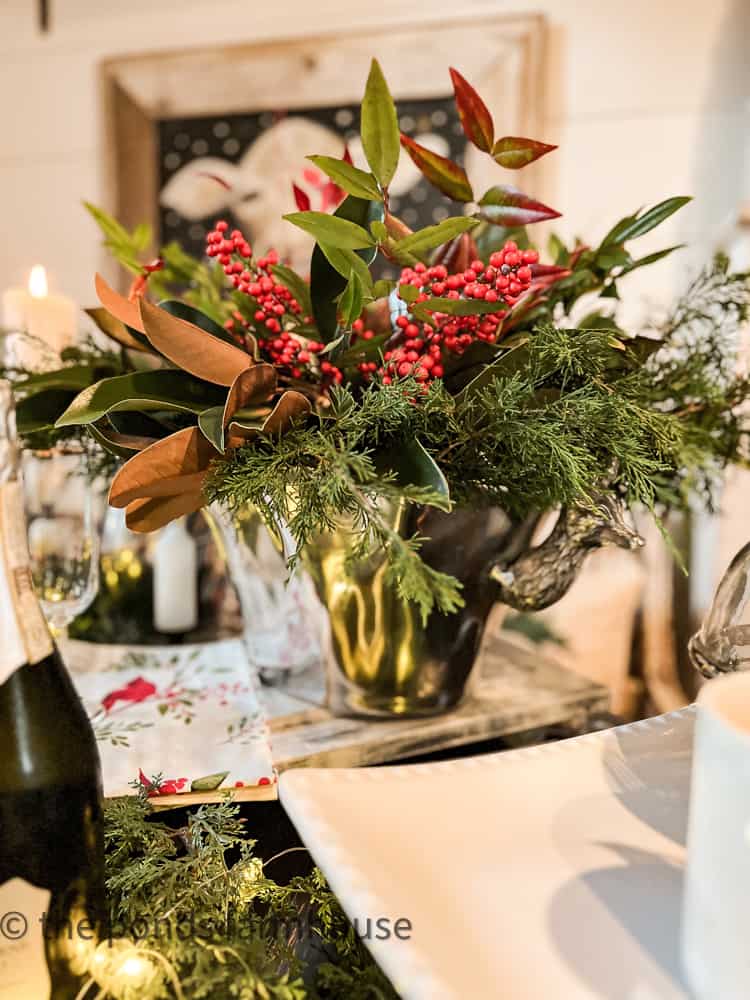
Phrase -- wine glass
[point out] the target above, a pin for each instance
(62, 513)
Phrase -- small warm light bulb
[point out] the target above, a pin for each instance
(38, 282)
(134, 967)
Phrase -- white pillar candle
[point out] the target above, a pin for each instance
(715, 951)
(175, 579)
(52, 319)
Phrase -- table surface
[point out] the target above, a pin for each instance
(516, 691)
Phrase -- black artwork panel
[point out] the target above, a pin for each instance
(229, 137)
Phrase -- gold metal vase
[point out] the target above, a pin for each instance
(382, 661)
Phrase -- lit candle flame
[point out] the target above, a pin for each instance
(38, 282)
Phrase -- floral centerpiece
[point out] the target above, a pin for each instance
(410, 435)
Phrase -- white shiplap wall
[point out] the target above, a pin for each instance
(647, 98)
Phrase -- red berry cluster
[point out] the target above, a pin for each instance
(275, 306)
(421, 347)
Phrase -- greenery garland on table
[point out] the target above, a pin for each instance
(472, 381)
(195, 913)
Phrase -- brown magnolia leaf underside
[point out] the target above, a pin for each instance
(253, 386)
(121, 308)
(114, 328)
(151, 513)
(172, 466)
(192, 349)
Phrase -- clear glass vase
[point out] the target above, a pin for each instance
(281, 613)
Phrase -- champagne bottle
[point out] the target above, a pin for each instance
(51, 845)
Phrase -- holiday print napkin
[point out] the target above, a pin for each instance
(173, 719)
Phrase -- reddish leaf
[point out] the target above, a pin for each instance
(347, 157)
(515, 152)
(509, 207)
(301, 199)
(475, 117)
(446, 175)
(544, 275)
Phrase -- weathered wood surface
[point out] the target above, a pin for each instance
(517, 691)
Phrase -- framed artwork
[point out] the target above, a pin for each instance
(224, 131)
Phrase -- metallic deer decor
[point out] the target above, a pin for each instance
(722, 644)
(382, 661)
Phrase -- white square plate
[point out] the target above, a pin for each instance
(550, 873)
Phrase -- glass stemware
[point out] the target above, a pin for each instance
(62, 515)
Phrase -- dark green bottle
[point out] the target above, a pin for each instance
(51, 845)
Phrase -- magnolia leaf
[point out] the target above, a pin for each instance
(120, 307)
(643, 222)
(40, 411)
(121, 445)
(514, 152)
(192, 349)
(326, 283)
(73, 378)
(116, 330)
(473, 112)
(140, 391)
(347, 262)
(435, 236)
(292, 406)
(412, 465)
(211, 424)
(192, 315)
(175, 465)
(332, 230)
(354, 181)
(379, 127)
(507, 206)
(296, 285)
(152, 513)
(443, 173)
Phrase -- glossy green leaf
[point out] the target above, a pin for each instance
(326, 284)
(209, 783)
(476, 119)
(382, 288)
(612, 255)
(507, 206)
(40, 411)
(296, 285)
(354, 181)
(514, 152)
(460, 307)
(332, 230)
(408, 293)
(346, 262)
(142, 391)
(351, 301)
(412, 465)
(651, 258)
(441, 172)
(643, 222)
(379, 127)
(211, 423)
(435, 236)
(379, 230)
(73, 378)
